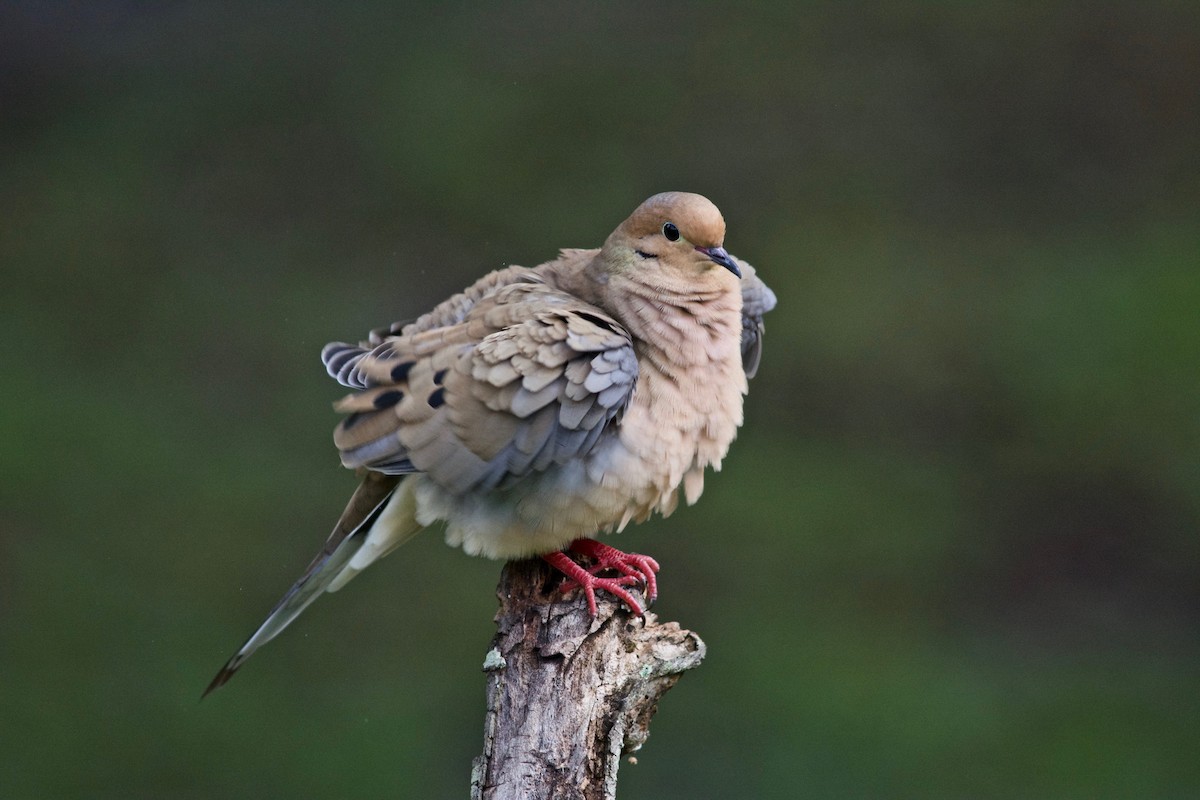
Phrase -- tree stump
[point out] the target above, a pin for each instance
(568, 695)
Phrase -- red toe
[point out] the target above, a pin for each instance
(634, 568)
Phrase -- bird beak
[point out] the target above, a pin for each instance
(721, 257)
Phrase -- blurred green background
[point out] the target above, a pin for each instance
(953, 554)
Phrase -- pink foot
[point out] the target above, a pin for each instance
(634, 569)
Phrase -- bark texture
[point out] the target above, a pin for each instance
(568, 696)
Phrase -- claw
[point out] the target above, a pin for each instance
(634, 569)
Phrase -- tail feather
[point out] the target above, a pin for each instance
(397, 523)
(369, 504)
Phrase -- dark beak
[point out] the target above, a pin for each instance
(721, 257)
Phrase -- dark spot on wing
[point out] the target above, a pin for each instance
(400, 371)
(350, 421)
(437, 398)
(437, 377)
(595, 320)
(389, 330)
(389, 399)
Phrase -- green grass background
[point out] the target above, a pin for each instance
(953, 554)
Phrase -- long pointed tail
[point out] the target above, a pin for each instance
(377, 519)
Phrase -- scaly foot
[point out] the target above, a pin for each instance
(634, 569)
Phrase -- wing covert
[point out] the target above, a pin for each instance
(527, 377)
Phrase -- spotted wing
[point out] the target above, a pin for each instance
(524, 378)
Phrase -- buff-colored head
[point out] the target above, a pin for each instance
(676, 231)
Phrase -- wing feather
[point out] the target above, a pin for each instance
(523, 377)
(757, 300)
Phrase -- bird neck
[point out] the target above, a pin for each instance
(676, 329)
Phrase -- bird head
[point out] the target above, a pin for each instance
(671, 238)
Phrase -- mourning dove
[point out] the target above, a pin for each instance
(543, 405)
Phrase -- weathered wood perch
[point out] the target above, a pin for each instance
(568, 696)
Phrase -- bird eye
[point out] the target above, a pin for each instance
(671, 232)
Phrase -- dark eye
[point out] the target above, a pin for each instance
(671, 232)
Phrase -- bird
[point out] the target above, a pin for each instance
(544, 405)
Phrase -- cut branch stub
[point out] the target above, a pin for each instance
(568, 695)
